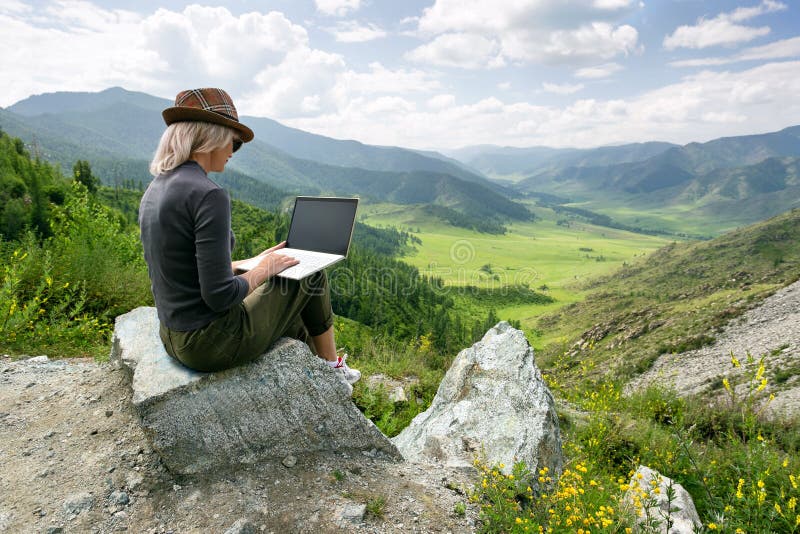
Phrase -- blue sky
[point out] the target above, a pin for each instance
(433, 74)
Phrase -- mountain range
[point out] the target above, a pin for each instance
(117, 131)
(727, 182)
(731, 180)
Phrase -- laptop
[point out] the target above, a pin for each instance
(319, 235)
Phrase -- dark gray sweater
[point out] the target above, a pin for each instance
(185, 220)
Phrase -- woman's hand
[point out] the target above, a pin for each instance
(271, 264)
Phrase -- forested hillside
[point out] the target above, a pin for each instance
(72, 262)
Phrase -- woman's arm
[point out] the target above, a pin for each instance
(219, 288)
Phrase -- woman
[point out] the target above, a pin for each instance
(211, 318)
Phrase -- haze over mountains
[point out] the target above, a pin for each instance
(728, 181)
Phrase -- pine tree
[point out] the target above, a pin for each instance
(82, 172)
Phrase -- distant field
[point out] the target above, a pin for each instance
(685, 219)
(540, 254)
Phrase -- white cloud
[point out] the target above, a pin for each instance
(697, 108)
(379, 80)
(40, 58)
(14, 6)
(722, 29)
(353, 32)
(562, 89)
(469, 51)
(85, 15)
(338, 8)
(441, 101)
(598, 40)
(504, 86)
(785, 48)
(301, 85)
(546, 31)
(598, 71)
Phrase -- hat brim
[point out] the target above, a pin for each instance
(183, 113)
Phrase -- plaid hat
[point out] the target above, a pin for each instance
(208, 105)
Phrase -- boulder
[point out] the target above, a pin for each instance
(648, 497)
(492, 402)
(286, 402)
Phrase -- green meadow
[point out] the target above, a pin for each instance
(549, 257)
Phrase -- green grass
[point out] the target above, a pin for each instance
(538, 254)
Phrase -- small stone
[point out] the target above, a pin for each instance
(109, 413)
(93, 432)
(55, 530)
(110, 469)
(242, 526)
(350, 513)
(176, 487)
(398, 395)
(119, 497)
(133, 481)
(78, 502)
(30, 385)
(38, 359)
(289, 461)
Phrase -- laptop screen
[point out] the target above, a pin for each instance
(322, 224)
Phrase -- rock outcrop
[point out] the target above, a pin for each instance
(660, 504)
(492, 402)
(287, 402)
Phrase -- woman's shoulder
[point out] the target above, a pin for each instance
(190, 175)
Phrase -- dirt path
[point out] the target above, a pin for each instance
(772, 330)
(74, 459)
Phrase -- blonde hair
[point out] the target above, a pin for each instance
(181, 139)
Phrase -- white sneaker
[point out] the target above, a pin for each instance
(351, 376)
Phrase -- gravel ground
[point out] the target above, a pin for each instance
(74, 459)
(772, 330)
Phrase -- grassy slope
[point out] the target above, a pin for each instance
(677, 299)
(534, 253)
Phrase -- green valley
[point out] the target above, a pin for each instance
(552, 255)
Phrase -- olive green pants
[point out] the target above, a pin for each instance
(278, 307)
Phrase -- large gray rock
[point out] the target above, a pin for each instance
(660, 504)
(492, 401)
(285, 402)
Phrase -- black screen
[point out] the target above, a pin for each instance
(322, 224)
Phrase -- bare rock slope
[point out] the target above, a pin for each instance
(771, 330)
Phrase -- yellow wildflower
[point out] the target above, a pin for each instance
(762, 385)
(712, 526)
(760, 372)
(726, 384)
